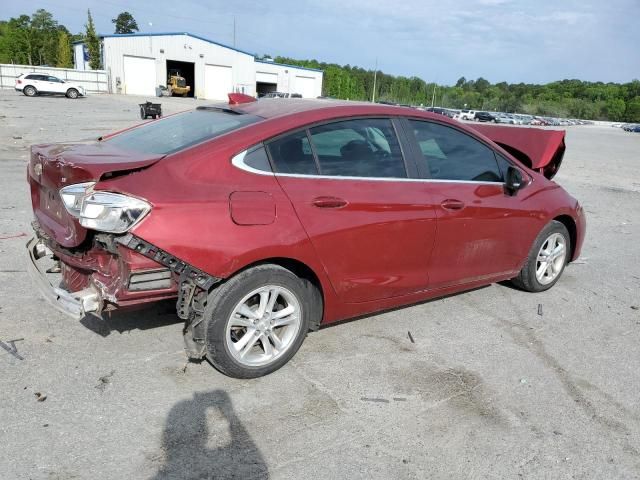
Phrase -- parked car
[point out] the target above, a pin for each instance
(267, 219)
(441, 111)
(281, 95)
(33, 84)
(503, 118)
(484, 117)
(467, 114)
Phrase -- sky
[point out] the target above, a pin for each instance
(531, 41)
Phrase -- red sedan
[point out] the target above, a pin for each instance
(269, 218)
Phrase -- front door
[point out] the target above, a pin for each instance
(480, 226)
(372, 227)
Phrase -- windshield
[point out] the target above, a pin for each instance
(181, 131)
(182, 82)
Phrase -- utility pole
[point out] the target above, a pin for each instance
(433, 97)
(375, 74)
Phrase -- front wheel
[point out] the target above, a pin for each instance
(547, 259)
(72, 93)
(257, 320)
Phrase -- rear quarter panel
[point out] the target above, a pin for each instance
(191, 217)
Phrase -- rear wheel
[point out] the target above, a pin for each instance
(547, 259)
(72, 93)
(257, 320)
(29, 91)
(143, 114)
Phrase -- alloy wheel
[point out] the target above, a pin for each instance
(551, 258)
(263, 325)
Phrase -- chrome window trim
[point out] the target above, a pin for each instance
(238, 162)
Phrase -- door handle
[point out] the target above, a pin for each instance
(452, 204)
(329, 202)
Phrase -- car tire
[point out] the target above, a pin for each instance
(242, 343)
(543, 267)
(143, 116)
(30, 91)
(72, 93)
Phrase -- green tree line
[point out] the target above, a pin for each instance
(565, 98)
(40, 40)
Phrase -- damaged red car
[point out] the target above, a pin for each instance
(268, 219)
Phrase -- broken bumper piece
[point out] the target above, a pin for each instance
(75, 304)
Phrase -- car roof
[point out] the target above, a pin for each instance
(278, 107)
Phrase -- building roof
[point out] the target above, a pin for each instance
(165, 34)
(287, 65)
(160, 34)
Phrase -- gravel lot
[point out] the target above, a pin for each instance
(489, 389)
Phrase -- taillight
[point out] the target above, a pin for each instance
(18, 81)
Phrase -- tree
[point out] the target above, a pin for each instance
(633, 110)
(615, 109)
(30, 40)
(125, 23)
(93, 44)
(64, 51)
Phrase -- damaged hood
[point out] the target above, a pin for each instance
(539, 149)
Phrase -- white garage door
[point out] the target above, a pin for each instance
(139, 75)
(218, 82)
(305, 86)
(264, 77)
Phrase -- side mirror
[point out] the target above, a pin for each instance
(514, 180)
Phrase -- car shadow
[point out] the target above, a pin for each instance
(156, 315)
(203, 438)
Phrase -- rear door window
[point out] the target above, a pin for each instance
(449, 154)
(365, 147)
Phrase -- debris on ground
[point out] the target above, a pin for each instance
(635, 307)
(10, 347)
(399, 399)
(17, 137)
(40, 396)
(104, 380)
(540, 309)
(411, 337)
(18, 235)
(375, 400)
(523, 380)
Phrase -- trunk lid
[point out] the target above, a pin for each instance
(539, 149)
(53, 166)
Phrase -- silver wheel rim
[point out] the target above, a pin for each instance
(263, 326)
(551, 258)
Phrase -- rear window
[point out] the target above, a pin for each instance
(181, 131)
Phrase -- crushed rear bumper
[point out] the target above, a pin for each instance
(75, 304)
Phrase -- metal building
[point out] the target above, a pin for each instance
(138, 63)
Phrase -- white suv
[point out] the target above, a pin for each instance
(467, 114)
(31, 84)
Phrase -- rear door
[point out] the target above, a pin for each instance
(37, 81)
(482, 230)
(372, 226)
